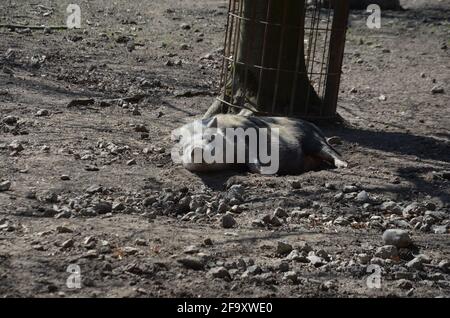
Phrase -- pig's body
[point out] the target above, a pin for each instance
(302, 146)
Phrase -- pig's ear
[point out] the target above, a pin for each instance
(212, 123)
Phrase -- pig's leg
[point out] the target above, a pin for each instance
(328, 154)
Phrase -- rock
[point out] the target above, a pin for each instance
(364, 258)
(444, 266)
(397, 237)
(413, 209)
(67, 244)
(63, 229)
(437, 90)
(350, 189)
(220, 272)
(390, 206)
(10, 120)
(141, 128)
(65, 177)
(296, 256)
(291, 276)
(5, 186)
(131, 162)
(323, 254)
(192, 263)
(404, 284)
(281, 213)
(416, 264)
(103, 207)
(228, 221)
(185, 26)
(316, 261)
(304, 247)
(283, 248)
(16, 146)
(118, 206)
(192, 249)
(94, 189)
(208, 242)
(328, 285)
(296, 184)
(42, 113)
(253, 270)
(387, 252)
(283, 267)
(362, 197)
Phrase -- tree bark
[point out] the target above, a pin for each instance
(269, 73)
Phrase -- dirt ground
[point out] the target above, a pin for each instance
(94, 185)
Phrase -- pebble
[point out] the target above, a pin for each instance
(397, 237)
(416, 264)
(283, 248)
(63, 229)
(103, 207)
(281, 213)
(362, 197)
(291, 276)
(67, 244)
(437, 90)
(131, 162)
(65, 177)
(42, 113)
(387, 252)
(444, 266)
(228, 221)
(5, 186)
(10, 120)
(350, 189)
(316, 260)
(220, 272)
(404, 284)
(253, 270)
(192, 249)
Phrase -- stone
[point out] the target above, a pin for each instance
(397, 237)
(254, 270)
(103, 207)
(444, 266)
(404, 284)
(350, 189)
(67, 244)
(291, 276)
(42, 113)
(387, 252)
(10, 120)
(362, 197)
(283, 248)
(228, 221)
(280, 213)
(316, 261)
(63, 229)
(416, 264)
(5, 186)
(220, 272)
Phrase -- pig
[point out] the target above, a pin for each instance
(264, 145)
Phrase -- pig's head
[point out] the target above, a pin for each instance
(201, 146)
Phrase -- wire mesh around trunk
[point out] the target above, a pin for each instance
(284, 57)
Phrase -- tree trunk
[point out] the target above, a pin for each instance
(281, 86)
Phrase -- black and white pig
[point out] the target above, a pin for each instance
(266, 145)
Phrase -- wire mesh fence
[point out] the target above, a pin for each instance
(284, 57)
